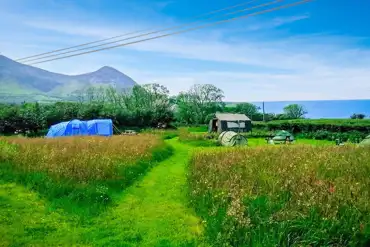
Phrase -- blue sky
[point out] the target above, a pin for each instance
(319, 50)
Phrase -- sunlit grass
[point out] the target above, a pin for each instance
(283, 195)
(80, 158)
(152, 212)
(80, 174)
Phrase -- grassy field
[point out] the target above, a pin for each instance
(299, 195)
(81, 175)
(177, 188)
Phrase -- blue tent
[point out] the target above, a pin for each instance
(103, 127)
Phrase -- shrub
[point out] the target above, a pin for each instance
(283, 196)
(307, 125)
(322, 129)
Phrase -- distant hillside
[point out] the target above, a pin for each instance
(19, 82)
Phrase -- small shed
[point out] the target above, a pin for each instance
(230, 122)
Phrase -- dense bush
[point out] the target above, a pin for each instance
(351, 136)
(323, 129)
(74, 172)
(283, 196)
(33, 119)
(307, 125)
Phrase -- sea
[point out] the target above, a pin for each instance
(323, 108)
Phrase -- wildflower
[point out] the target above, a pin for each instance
(331, 189)
(319, 183)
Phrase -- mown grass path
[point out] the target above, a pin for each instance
(153, 212)
(26, 221)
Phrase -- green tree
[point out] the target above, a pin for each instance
(146, 105)
(249, 109)
(358, 116)
(295, 111)
(197, 105)
(158, 103)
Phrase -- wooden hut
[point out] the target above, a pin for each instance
(230, 122)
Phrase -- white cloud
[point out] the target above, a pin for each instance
(318, 66)
(276, 22)
(78, 29)
(277, 87)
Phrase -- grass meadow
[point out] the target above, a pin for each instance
(82, 175)
(179, 188)
(300, 195)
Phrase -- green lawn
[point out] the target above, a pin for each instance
(152, 212)
(25, 220)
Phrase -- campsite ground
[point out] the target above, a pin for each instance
(154, 211)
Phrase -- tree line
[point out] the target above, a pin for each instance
(142, 106)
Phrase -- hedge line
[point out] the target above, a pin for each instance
(306, 125)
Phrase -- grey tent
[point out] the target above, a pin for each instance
(231, 139)
(365, 142)
(281, 136)
(230, 122)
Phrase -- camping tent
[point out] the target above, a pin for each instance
(71, 128)
(103, 127)
(231, 138)
(365, 142)
(281, 136)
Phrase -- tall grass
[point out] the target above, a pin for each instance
(164, 134)
(283, 196)
(198, 139)
(79, 174)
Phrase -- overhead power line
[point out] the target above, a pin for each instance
(136, 32)
(181, 31)
(151, 33)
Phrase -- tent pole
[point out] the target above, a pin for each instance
(115, 127)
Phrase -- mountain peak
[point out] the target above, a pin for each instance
(35, 82)
(108, 75)
(108, 68)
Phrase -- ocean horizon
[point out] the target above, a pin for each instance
(322, 108)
